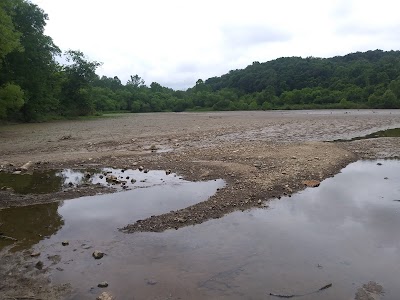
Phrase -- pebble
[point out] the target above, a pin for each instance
(103, 284)
(65, 243)
(98, 254)
(105, 296)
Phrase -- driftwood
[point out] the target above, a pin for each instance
(7, 237)
(301, 295)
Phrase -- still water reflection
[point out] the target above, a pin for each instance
(344, 232)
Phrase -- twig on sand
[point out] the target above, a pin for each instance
(301, 295)
(8, 237)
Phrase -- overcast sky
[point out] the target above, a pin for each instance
(176, 42)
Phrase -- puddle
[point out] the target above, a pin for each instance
(394, 132)
(35, 183)
(343, 233)
(54, 181)
(99, 216)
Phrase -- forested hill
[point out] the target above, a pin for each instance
(34, 86)
(362, 79)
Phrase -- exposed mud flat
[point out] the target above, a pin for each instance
(260, 155)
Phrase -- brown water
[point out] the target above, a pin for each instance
(344, 232)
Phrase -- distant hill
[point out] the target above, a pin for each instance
(362, 79)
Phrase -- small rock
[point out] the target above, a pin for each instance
(153, 147)
(98, 254)
(111, 178)
(39, 265)
(65, 243)
(379, 164)
(151, 282)
(105, 296)
(167, 172)
(133, 180)
(146, 171)
(17, 172)
(259, 202)
(311, 183)
(35, 254)
(101, 176)
(386, 178)
(85, 246)
(103, 284)
(141, 168)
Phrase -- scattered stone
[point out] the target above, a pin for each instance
(87, 175)
(146, 171)
(133, 180)
(103, 284)
(17, 172)
(386, 178)
(153, 147)
(168, 172)
(259, 202)
(105, 296)
(379, 164)
(140, 168)
(111, 178)
(98, 254)
(101, 176)
(311, 183)
(26, 166)
(59, 269)
(35, 254)
(39, 265)
(151, 282)
(65, 243)
(66, 137)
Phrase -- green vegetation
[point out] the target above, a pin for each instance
(35, 87)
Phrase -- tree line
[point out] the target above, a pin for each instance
(35, 87)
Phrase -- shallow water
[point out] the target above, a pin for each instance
(54, 181)
(344, 232)
(393, 132)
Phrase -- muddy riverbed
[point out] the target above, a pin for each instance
(242, 159)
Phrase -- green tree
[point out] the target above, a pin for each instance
(11, 99)
(9, 36)
(80, 75)
(33, 69)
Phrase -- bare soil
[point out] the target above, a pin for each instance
(261, 155)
